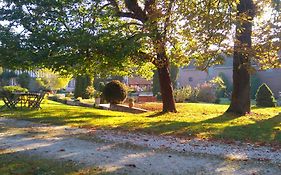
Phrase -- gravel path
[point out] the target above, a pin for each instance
(124, 153)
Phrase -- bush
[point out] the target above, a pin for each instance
(264, 97)
(194, 94)
(82, 82)
(182, 94)
(115, 92)
(6, 76)
(219, 86)
(206, 93)
(227, 83)
(14, 89)
(7, 91)
(24, 80)
(90, 91)
(36, 85)
(97, 94)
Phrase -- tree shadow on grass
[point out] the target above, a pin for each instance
(264, 130)
(158, 114)
(58, 117)
(267, 130)
(225, 117)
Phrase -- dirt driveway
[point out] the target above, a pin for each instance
(122, 153)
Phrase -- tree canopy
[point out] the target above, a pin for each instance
(126, 36)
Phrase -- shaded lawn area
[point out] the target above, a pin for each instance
(21, 164)
(193, 120)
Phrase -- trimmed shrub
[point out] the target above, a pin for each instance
(115, 92)
(82, 82)
(265, 97)
(206, 93)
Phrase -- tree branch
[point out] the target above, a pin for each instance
(136, 12)
(133, 6)
(168, 18)
(148, 4)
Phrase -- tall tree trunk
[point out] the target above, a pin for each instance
(166, 87)
(240, 101)
(166, 90)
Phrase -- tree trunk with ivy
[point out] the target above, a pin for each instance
(240, 101)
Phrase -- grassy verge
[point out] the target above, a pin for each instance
(21, 164)
(192, 120)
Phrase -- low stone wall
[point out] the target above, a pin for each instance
(124, 108)
(71, 102)
(118, 107)
(144, 99)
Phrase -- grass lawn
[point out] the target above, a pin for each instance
(193, 120)
(20, 164)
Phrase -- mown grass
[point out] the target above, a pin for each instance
(193, 120)
(21, 164)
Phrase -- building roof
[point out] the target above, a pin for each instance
(138, 81)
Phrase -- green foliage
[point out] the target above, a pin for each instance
(7, 91)
(81, 84)
(90, 91)
(255, 84)
(156, 84)
(24, 80)
(14, 89)
(98, 94)
(115, 92)
(174, 71)
(99, 84)
(6, 76)
(54, 81)
(265, 97)
(219, 86)
(37, 84)
(227, 83)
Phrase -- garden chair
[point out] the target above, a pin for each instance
(36, 101)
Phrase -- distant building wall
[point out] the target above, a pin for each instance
(192, 77)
